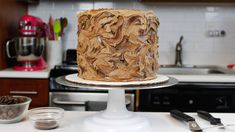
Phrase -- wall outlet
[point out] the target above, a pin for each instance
(214, 28)
(216, 33)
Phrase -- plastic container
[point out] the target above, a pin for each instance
(12, 113)
(54, 53)
(46, 118)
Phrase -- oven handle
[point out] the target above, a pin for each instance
(60, 102)
(56, 101)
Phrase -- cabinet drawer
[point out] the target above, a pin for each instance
(36, 89)
(3, 90)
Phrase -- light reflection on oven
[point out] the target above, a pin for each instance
(85, 101)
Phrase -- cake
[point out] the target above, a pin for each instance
(117, 45)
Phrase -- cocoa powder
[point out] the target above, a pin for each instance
(46, 124)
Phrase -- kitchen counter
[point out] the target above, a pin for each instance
(10, 73)
(160, 122)
(223, 78)
(200, 73)
(219, 78)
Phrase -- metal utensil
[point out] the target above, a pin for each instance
(193, 126)
(213, 120)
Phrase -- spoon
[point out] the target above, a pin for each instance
(64, 23)
(57, 28)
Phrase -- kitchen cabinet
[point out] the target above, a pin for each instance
(189, 1)
(36, 89)
(10, 12)
(3, 90)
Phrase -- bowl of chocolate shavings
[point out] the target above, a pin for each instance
(13, 108)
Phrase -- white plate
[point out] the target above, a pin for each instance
(75, 79)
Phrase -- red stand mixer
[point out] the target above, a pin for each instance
(29, 44)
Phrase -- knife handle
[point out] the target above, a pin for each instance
(207, 116)
(181, 116)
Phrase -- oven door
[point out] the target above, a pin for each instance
(85, 101)
(190, 97)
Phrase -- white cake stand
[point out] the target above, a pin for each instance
(116, 117)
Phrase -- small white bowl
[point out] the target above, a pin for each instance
(46, 118)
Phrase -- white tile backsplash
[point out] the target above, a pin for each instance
(191, 21)
(103, 4)
(86, 5)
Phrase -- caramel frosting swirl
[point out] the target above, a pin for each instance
(117, 45)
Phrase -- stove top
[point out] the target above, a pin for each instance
(66, 67)
(60, 70)
(69, 66)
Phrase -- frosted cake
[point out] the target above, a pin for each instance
(117, 45)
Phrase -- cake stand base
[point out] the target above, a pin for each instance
(116, 118)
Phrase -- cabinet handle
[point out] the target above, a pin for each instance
(24, 92)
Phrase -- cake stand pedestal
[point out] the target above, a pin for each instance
(116, 117)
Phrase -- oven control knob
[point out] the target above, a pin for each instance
(221, 101)
(191, 101)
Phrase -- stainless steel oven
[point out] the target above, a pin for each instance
(190, 97)
(81, 99)
(85, 101)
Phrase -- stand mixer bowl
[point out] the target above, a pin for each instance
(27, 48)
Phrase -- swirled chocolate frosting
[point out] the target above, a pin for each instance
(117, 45)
